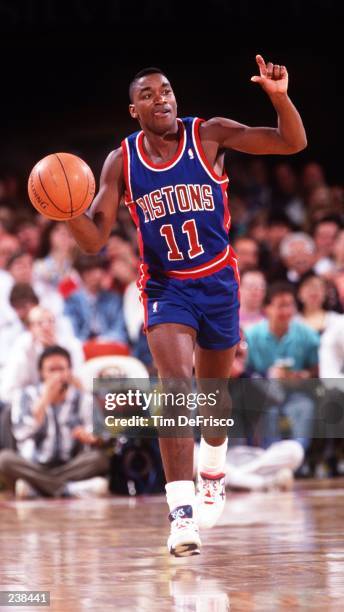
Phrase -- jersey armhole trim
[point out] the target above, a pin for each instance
(201, 154)
(128, 196)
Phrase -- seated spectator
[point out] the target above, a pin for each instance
(22, 300)
(247, 251)
(312, 294)
(297, 252)
(252, 468)
(123, 272)
(278, 227)
(283, 348)
(312, 178)
(321, 204)
(324, 235)
(52, 426)
(8, 246)
(55, 257)
(258, 188)
(331, 355)
(252, 294)
(20, 270)
(28, 233)
(119, 245)
(6, 219)
(286, 196)
(336, 275)
(20, 368)
(95, 313)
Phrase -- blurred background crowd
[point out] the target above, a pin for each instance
(287, 230)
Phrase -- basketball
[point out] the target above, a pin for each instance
(61, 186)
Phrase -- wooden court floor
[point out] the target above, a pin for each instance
(270, 552)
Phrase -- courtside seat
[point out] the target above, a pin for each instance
(111, 366)
(96, 348)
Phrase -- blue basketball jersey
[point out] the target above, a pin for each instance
(180, 207)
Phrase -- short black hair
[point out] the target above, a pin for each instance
(327, 219)
(279, 288)
(83, 263)
(140, 74)
(22, 293)
(53, 350)
(279, 218)
(17, 255)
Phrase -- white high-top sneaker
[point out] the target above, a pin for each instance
(184, 539)
(211, 498)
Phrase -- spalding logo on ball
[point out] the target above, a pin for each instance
(61, 186)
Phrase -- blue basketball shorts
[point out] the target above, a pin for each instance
(209, 304)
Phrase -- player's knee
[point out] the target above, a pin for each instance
(178, 371)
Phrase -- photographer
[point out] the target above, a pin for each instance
(52, 423)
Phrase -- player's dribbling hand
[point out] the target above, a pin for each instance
(273, 77)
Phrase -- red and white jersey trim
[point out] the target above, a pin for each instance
(166, 165)
(129, 199)
(201, 155)
(223, 259)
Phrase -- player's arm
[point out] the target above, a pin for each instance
(92, 229)
(288, 137)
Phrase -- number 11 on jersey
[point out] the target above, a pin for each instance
(190, 229)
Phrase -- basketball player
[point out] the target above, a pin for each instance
(171, 177)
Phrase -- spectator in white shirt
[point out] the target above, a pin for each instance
(22, 299)
(325, 232)
(252, 295)
(21, 369)
(312, 294)
(331, 354)
(20, 270)
(55, 259)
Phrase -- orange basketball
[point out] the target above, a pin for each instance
(61, 186)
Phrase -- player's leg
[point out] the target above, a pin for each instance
(213, 369)
(172, 347)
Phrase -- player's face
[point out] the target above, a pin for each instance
(154, 104)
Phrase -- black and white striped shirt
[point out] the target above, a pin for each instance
(52, 441)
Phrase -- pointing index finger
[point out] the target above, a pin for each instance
(261, 65)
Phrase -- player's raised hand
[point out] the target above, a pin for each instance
(273, 77)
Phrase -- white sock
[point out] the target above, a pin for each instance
(180, 493)
(212, 459)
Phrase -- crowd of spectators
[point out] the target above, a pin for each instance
(287, 229)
